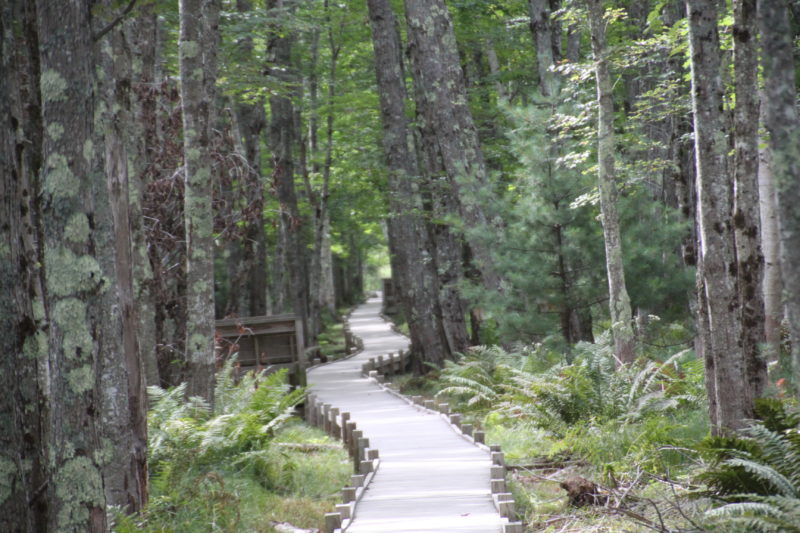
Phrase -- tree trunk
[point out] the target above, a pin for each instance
(715, 202)
(437, 70)
(251, 120)
(125, 417)
(197, 101)
(80, 281)
(542, 28)
(770, 245)
(23, 340)
(416, 277)
(281, 130)
(144, 41)
(783, 124)
(746, 217)
(619, 302)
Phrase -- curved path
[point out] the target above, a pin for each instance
(430, 479)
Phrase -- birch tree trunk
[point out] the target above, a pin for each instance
(196, 102)
(746, 216)
(619, 302)
(717, 243)
(770, 245)
(416, 275)
(433, 49)
(783, 124)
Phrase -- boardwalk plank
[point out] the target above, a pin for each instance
(430, 478)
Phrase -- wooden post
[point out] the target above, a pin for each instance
(498, 485)
(361, 446)
(430, 404)
(417, 400)
(498, 458)
(444, 408)
(326, 418)
(357, 480)
(333, 425)
(372, 454)
(497, 472)
(345, 419)
(333, 521)
(344, 510)
(365, 467)
(349, 494)
(455, 419)
(506, 509)
(479, 436)
(513, 527)
(466, 429)
(349, 428)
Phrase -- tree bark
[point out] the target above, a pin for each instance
(746, 216)
(437, 69)
(197, 101)
(281, 130)
(251, 120)
(715, 202)
(543, 29)
(125, 411)
(80, 279)
(144, 43)
(619, 302)
(23, 339)
(783, 124)
(417, 278)
(770, 245)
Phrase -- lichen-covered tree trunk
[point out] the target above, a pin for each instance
(124, 396)
(196, 103)
(281, 133)
(746, 216)
(783, 124)
(619, 302)
(144, 42)
(715, 203)
(437, 70)
(22, 336)
(79, 274)
(417, 278)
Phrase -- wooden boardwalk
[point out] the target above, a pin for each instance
(430, 479)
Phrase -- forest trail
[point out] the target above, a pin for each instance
(430, 479)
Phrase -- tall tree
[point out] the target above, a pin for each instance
(545, 35)
(783, 124)
(746, 214)
(282, 140)
(23, 339)
(196, 102)
(717, 268)
(251, 121)
(619, 302)
(417, 277)
(123, 385)
(438, 72)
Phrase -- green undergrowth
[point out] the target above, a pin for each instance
(241, 467)
(561, 413)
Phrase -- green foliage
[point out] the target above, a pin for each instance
(214, 470)
(757, 473)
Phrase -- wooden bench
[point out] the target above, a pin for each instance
(265, 342)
